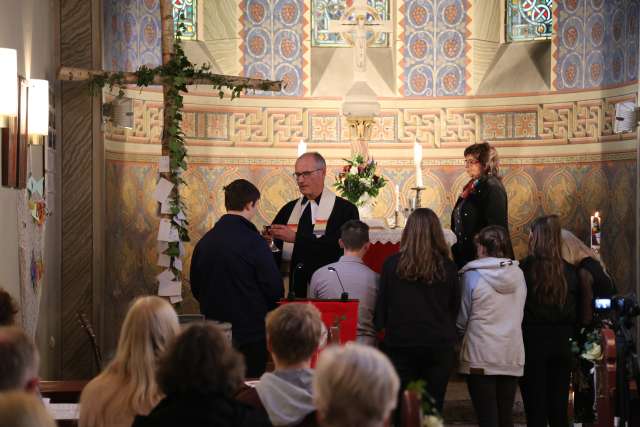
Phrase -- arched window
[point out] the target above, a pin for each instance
(187, 9)
(323, 11)
(529, 20)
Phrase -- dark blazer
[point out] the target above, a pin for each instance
(417, 314)
(487, 205)
(234, 277)
(311, 251)
(194, 409)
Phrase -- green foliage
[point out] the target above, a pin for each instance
(359, 178)
(428, 403)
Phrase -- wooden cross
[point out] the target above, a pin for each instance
(170, 107)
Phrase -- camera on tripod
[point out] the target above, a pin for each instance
(623, 306)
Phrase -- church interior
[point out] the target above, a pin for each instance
(80, 207)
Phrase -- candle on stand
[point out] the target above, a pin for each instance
(397, 198)
(302, 147)
(417, 160)
(596, 230)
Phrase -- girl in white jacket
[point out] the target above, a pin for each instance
(492, 355)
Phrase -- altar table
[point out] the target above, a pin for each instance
(386, 242)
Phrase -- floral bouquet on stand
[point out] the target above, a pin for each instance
(587, 352)
(359, 183)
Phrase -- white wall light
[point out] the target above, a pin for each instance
(38, 109)
(8, 83)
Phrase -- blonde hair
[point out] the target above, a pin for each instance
(20, 409)
(354, 385)
(127, 387)
(294, 332)
(574, 250)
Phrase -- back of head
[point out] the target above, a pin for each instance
(8, 309)
(18, 360)
(201, 360)
(20, 409)
(545, 246)
(495, 241)
(423, 248)
(354, 234)
(354, 385)
(128, 385)
(238, 193)
(294, 332)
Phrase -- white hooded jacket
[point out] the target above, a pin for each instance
(490, 318)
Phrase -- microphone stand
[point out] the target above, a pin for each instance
(292, 295)
(345, 294)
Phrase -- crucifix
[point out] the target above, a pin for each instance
(175, 73)
(354, 27)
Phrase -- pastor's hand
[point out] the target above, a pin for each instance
(284, 233)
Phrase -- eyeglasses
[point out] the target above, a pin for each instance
(305, 174)
(471, 162)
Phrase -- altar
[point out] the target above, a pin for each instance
(386, 241)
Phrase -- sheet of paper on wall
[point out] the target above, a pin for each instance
(165, 207)
(162, 246)
(177, 263)
(167, 232)
(163, 164)
(169, 289)
(164, 260)
(163, 189)
(175, 299)
(182, 250)
(165, 276)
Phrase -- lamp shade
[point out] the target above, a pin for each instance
(8, 82)
(38, 107)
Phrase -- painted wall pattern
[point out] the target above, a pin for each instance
(275, 38)
(132, 34)
(596, 43)
(434, 52)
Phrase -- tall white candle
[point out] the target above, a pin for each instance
(302, 147)
(417, 160)
(397, 198)
(596, 230)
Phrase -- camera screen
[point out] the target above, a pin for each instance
(602, 303)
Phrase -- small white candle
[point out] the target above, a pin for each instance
(397, 198)
(596, 230)
(417, 160)
(302, 147)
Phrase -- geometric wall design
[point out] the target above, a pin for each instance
(596, 43)
(434, 37)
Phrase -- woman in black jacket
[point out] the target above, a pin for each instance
(199, 374)
(549, 323)
(483, 201)
(418, 302)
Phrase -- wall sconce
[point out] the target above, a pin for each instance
(119, 112)
(38, 110)
(8, 85)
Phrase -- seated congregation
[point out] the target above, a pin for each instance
(508, 323)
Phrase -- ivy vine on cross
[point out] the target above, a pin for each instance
(174, 75)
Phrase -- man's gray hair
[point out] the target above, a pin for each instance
(355, 385)
(317, 157)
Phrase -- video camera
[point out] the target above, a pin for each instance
(623, 306)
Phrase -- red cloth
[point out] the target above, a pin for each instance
(378, 253)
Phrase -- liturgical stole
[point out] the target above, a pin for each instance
(319, 217)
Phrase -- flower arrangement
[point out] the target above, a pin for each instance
(358, 181)
(430, 415)
(591, 349)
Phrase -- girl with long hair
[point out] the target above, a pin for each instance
(483, 201)
(549, 323)
(127, 387)
(418, 302)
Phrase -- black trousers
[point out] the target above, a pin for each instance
(545, 384)
(430, 364)
(255, 357)
(492, 397)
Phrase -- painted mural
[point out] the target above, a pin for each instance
(596, 42)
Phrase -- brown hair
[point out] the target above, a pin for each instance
(545, 246)
(8, 309)
(354, 234)
(18, 358)
(486, 155)
(238, 193)
(294, 332)
(423, 248)
(201, 359)
(495, 240)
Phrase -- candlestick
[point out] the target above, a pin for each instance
(417, 160)
(418, 199)
(302, 147)
(397, 198)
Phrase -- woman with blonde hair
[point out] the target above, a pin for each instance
(418, 302)
(594, 280)
(548, 324)
(127, 387)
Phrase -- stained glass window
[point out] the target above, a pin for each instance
(529, 20)
(324, 11)
(188, 10)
